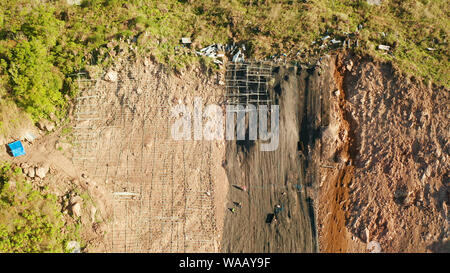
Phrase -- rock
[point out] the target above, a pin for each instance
(76, 210)
(73, 247)
(146, 60)
(362, 233)
(384, 47)
(111, 76)
(74, 2)
(49, 126)
(29, 136)
(46, 125)
(349, 65)
(93, 211)
(41, 125)
(374, 2)
(30, 172)
(186, 40)
(374, 247)
(42, 171)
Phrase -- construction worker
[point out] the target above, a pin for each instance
(278, 209)
(242, 188)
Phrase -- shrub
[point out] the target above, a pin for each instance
(36, 83)
(30, 221)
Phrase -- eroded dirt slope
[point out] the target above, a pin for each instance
(272, 178)
(388, 139)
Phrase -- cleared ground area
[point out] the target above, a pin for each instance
(161, 192)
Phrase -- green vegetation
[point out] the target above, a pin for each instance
(42, 43)
(12, 119)
(30, 220)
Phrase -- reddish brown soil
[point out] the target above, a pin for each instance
(393, 188)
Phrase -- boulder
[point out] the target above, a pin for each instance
(374, 2)
(76, 210)
(30, 172)
(46, 125)
(111, 76)
(74, 2)
(42, 171)
(73, 247)
(93, 212)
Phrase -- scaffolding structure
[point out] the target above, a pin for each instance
(248, 83)
(134, 154)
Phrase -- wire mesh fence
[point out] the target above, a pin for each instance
(160, 203)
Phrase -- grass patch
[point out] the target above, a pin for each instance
(12, 119)
(30, 220)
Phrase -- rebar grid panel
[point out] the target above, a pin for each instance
(85, 113)
(200, 208)
(134, 154)
(248, 83)
(166, 216)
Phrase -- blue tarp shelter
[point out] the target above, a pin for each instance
(16, 148)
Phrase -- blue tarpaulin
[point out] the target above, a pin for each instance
(16, 148)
